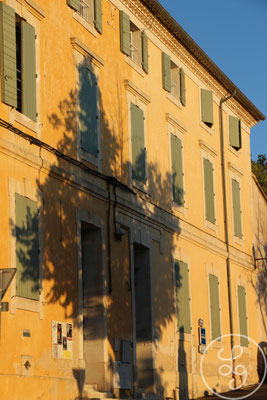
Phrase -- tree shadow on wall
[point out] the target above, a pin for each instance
(66, 185)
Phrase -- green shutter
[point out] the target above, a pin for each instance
(27, 248)
(88, 110)
(234, 132)
(182, 86)
(75, 4)
(236, 209)
(177, 170)
(214, 306)
(8, 55)
(207, 106)
(138, 144)
(125, 33)
(209, 191)
(28, 70)
(98, 15)
(166, 72)
(182, 296)
(242, 309)
(144, 52)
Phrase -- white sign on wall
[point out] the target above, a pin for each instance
(62, 340)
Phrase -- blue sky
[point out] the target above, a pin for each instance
(233, 33)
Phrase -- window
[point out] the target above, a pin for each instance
(27, 248)
(235, 132)
(182, 296)
(133, 42)
(209, 191)
(214, 306)
(173, 78)
(236, 209)
(89, 10)
(242, 313)
(88, 111)
(177, 170)
(18, 62)
(207, 107)
(138, 144)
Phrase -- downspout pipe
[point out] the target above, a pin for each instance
(222, 101)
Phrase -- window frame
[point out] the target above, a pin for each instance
(25, 189)
(24, 12)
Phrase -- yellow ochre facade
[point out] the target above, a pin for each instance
(126, 207)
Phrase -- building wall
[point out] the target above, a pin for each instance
(71, 198)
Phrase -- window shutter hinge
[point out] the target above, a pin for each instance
(35, 37)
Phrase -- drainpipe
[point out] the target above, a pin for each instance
(223, 100)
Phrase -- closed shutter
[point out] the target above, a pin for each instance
(214, 306)
(207, 106)
(182, 87)
(8, 55)
(234, 132)
(27, 248)
(28, 70)
(236, 208)
(177, 170)
(138, 144)
(144, 52)
(166, 72)
(209, 191)
(125, 33)
(182, 296)
(75, 4)
(98, 15)
(88, 110)
(242, 309)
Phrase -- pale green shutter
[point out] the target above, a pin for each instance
(28, 70)
(144, 52)
(27, 248)
(209, 191)
(166, 72)
(88, 110)
(242, 309)
(138, 144)
(125, 33)
(236, 208)
(8, 55)
(214, 306)
(207, 106)
(182, 86)
(177, 170)
(75, 4)
(98, 15)
(234, 132)
(182, 296)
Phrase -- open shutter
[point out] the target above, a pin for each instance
(242, 309)
(182, 86)
(234, 132)
(98, 15)
(27, 248)
(144, 52)
(28, 70)
(166, 72)
(207, 106)
(236, 208)
(125, 33)
(88, 110)
(177, 170)
(138, 144)
(214, 306)
(8, 55)
(182, 296)
(75, 4)
(209, 191)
